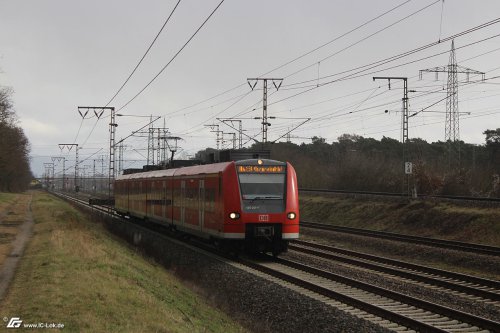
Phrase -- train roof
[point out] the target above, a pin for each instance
(197, 169)
(183, 171)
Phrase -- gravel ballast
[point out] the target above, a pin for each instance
(409, 252)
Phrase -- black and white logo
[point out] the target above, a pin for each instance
(14, 322)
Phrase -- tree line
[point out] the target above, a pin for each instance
(15, 172)
(367, 164)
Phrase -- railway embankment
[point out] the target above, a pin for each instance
(426, 218)
(457, 222)
(75, 273)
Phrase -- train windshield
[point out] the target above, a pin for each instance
(262, 186)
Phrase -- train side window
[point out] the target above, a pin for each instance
(209, 199)
(177, 196)
(191, 196)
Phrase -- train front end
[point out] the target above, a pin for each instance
(269, 204)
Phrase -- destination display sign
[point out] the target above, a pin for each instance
(261, 169)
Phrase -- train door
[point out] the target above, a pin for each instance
(201, 203)
(183, 201)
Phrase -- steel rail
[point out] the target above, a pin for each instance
(484, 323)
(426, 269)
(359, 304)
(397, 271)
(442, 243)
(402, 195)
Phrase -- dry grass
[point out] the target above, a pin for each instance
(422, 218)
(75, 273)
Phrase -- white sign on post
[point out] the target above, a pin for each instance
(408, 168)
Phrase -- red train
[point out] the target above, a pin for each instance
(248, 205)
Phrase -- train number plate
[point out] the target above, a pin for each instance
(263, 218)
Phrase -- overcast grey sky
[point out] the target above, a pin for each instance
(59, 54)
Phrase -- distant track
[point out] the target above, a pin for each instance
(447, 244)
(400, 195)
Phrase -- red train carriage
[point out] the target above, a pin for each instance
(250, 204)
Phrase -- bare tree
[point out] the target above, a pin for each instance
(15, 173)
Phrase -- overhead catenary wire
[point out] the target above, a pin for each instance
(375, 64)
(219, 95)
(364, 68)
(343, 35)
(364, 39)
(164, 67)
(433, 104)
(336, 114)
(132, 73)
(145, 53)
(361, 70)
(173, 58)
(352, 30)
(302, 55)
(439, 90)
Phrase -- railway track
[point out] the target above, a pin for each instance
(447, 244)
(84, 203)
(386, 308)
(402, 195)
(469, 286)
(389, 309)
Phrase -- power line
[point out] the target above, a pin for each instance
(365, 38)
(402, 55)
(357, 110)
(175, 56)
(336, 115)
(343, 35)
(161, 71)
(339, 37)
(382, 62)
(433, 104)
(191, 129)
(302, 55)
(132, 73)
(364, 68)
(145, 53)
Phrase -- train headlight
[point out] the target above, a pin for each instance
(234, 216)
(291, 216)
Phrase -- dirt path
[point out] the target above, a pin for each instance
(24, 232)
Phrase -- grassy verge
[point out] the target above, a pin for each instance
(5, 200)
(422, 218)
(73, 272)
